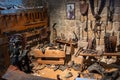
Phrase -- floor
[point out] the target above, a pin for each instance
(49, 72)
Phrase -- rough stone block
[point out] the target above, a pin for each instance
(91, 17)
(109, 27)
(103, 17)
(101, 41)
(116, 18)
(116, 26)
(117, 10)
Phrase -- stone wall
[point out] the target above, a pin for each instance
(57, 10)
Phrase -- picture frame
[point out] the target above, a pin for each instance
(70, 11)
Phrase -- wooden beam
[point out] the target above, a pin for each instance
(50, 61)
(104, 54)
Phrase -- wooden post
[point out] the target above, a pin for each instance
(4, 55)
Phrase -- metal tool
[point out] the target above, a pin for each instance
(54, 33)
(76, 38)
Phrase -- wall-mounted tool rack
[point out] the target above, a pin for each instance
(28, 22)
(21, 19)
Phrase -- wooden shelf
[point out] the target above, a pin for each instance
(29, 34)
(26, 22)
(20, 28)
(36, 22)
(104, 54)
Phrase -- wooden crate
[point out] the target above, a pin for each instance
(50, 56)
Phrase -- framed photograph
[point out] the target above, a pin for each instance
(70, 9)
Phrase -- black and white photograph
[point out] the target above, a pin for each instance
(70, 11)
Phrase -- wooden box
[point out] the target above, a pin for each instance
(50, 56)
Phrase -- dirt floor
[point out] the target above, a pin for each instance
(48, 71)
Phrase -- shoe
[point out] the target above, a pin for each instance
(76, 67)
(68, 75)
(56, 67)
(62, 67)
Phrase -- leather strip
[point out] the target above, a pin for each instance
(102, 4)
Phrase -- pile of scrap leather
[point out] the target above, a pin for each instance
(13, 73)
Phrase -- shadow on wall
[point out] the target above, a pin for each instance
(55, 5)
(118, 48)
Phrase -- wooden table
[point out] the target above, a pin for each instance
(95, 56)
(104, 54)
(68, 43)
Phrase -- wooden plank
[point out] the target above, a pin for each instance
(49, 53)
(50, 61)
(29, 34)
(32, 23)
(66, 42)
(21, 27)
(105, 54)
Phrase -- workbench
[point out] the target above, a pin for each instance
(68, 43)
(104, 54)
(95, 56)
